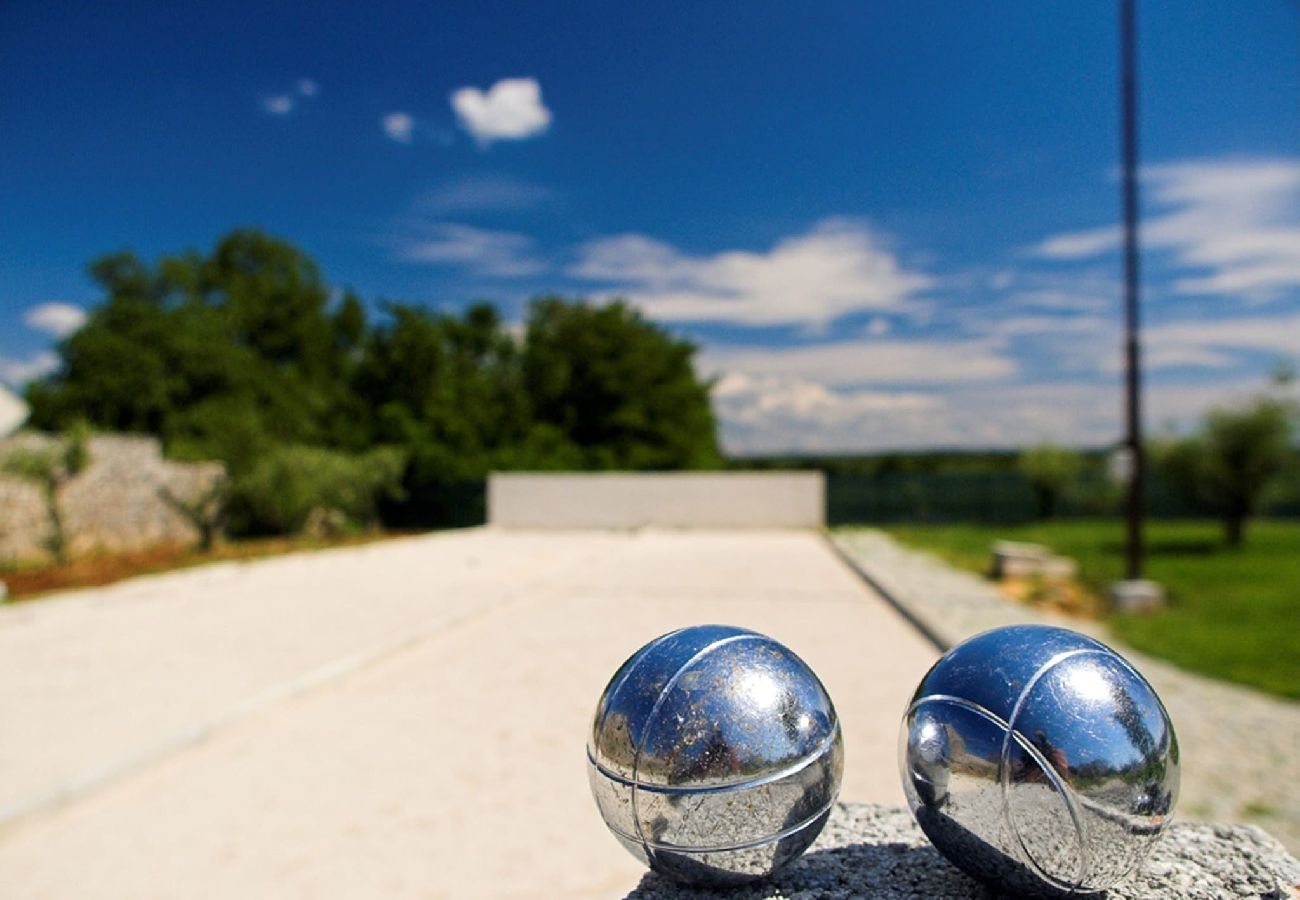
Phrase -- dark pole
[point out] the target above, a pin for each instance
(1132, 359)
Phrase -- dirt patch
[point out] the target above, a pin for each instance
(30, 582)
(1063, 595)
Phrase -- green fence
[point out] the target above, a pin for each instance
(1000, 497)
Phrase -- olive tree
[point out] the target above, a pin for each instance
(1050, 470)
(1228, 466)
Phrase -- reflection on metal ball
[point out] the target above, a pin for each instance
(715, 755)
(1038, 760)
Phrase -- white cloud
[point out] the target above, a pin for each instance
(774, 415)
(499, 254)
(510, 110)
(1218, 343)
(1038, 326)
(863, 362)
(399, 126)
(1066, 300)
(491, 193)
(18, 372)
(57, 319)
(278, 104)
(1081, 244)
(839, 267)
(13, 411)
(771, 414)
(285, 103)
(1233, 227)
(1002, 280)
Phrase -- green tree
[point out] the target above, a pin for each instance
(1050, 470)
(207, 510)
(184, 348)
(1230, 464)
(618, 387)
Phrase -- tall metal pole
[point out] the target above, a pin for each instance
(1132, 359)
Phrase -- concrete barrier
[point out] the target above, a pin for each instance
(662, 499)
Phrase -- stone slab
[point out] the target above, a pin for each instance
(879, 852)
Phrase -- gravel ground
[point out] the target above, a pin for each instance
(878, 852)
(1241, 761)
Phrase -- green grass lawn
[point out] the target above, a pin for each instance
(1232, 614)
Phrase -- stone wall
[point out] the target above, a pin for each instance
(117, 504)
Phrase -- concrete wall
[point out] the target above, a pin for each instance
(664, 499)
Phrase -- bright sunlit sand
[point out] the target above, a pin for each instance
(401, 719)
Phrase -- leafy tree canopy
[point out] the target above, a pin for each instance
(241, 354)
(1232, 462)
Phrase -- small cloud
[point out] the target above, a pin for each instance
(1080, 244)
(878, 327)
(1065, 299)
(57, 319)
(284, 103)
(399, 126)
(498, 254)
(278, 104)
(511, 110)
(18, 372)
(485, 194)
(1002, 280)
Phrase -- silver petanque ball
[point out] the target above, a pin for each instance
(1038, 760)
(715, 755)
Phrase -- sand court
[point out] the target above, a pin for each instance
(404, 719)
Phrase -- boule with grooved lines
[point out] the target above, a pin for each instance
(715, 755)
(1039, 761)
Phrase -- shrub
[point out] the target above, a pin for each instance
(282, 489)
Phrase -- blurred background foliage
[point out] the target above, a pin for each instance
(244, 356)
(331, 417)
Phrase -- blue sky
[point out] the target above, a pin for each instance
(885, 224)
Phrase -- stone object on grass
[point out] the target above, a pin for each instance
(1137, 595)
(1016, 559)
(879, 852)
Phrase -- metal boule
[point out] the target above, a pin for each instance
(715, 755)
(1040, 761)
